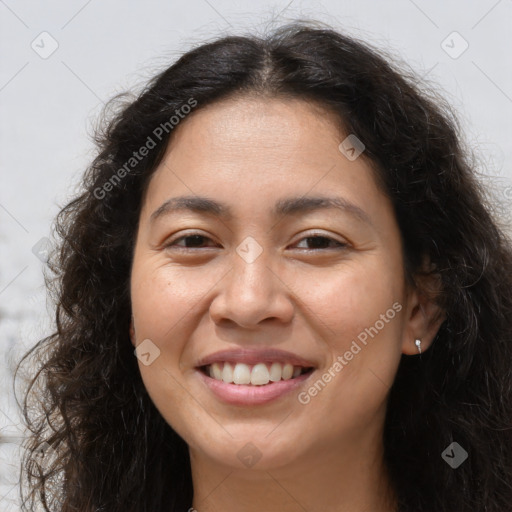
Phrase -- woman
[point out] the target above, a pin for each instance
(279, 290)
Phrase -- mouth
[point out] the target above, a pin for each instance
(253, 375)
(259, 374)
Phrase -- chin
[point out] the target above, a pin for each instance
(254, 452)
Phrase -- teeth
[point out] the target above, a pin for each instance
(287, 371)
(259, 375)
(276, 371)
(241, 374)
(215, 371)
(227, 373)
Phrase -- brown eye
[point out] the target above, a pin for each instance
(322, 242)
(191, 241)
(314, 242)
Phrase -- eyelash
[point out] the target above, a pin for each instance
(172, 243)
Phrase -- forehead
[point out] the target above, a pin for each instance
(246, 148)
(259, 124)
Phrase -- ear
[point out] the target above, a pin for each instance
(132, 332)
(423, 315)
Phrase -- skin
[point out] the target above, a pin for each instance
(249, 152)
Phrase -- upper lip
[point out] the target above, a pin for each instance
(254, 356)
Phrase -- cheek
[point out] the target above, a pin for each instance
(158, 304)
(358, 312)
(167, 305)
(351, 299)
(161, 298)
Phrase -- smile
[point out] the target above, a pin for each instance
(253, 375)
(290, 379)
(259, 374)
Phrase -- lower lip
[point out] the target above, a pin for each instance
(242, 394)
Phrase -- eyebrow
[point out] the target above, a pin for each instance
(286, 206)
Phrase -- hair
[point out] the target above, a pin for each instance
(113, 451)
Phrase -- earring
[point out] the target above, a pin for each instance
(418, 344)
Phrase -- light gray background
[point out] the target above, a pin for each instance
(49, 107)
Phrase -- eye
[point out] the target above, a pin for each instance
(322, 242)
(196, 240)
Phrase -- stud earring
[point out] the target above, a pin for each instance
(418, 344)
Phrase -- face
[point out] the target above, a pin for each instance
(262, 274)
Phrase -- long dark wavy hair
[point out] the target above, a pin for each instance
(98, 443)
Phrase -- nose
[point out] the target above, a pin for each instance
(252, 293)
